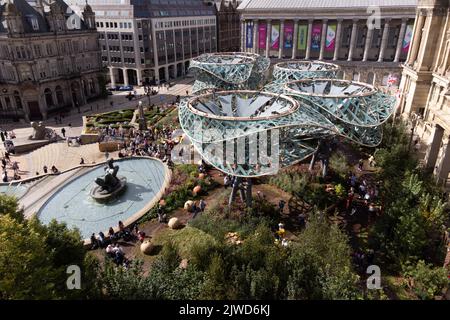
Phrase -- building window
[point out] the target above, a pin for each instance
(48, 98)
(17, 100)
(59, 95)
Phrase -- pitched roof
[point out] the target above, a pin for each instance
(312, 4)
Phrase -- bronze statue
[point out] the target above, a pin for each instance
(109, 185)
(39, 131)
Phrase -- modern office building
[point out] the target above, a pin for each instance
(369, 39)
(148, 41)
(228, 25)
(425, 86)
(49, 58)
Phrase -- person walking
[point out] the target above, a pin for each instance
(2, 136)
(63, 132)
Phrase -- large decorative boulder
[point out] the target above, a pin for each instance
(188, 205)
(147, 247)
(174, 223)
(197, 189)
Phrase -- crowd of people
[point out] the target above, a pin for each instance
(361, 189)
(157, 143)
(110, 242)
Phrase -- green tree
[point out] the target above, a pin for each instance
(34, 258)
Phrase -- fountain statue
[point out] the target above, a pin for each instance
(109, 186)
(39, 131)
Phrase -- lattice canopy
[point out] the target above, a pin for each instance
(249, 133)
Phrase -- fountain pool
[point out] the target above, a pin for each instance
(72, 204)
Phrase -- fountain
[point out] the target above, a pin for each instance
(109, 186)
(74, 204)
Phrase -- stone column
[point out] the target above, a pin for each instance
(415, 41)
(433, 149)
(401, 35)
(242, 35)
(111, 75)
(295, 40)
(338, 40)
(323, 38)
(384, 40)
(268, 36)
(255, 36)
(139, 76)
(281, 46)
(369, 37)
(443, 167)
(353, 39)
(125, 77)
(166, 73)
(308, 41)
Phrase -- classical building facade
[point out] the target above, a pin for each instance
(49, 59)
(425, 85)
(369, 40)
(228, 26)
(148, 41)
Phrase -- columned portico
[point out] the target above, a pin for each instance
(268, 33)
(401, 36)
(295, 40)
(308, 41)
(443, 168)
(433, 150)
(281, 40)
(111, 75)
(417, 35)
(353, 40)
(139, 76)
(125, 77)
(338, 40)
(369, 37)
(384, 40)
(243, 35)
(323, 38)
(255, 35)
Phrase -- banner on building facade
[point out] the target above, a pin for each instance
(315, 37)
(288, 35)
(262, 31)
(302, 37)
(275, 37)
(330, 38)
(408, 37)
(249, 38)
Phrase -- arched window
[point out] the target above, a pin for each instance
(59, 95)
(17, 100)
(370, 78)
(355, 76)
(48, 98)
(340, 74)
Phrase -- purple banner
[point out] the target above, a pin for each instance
(288, 35)
(315, 36)
(262, 36)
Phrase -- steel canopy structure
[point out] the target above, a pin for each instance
(228, 71)
(285, 72)
(248, 133)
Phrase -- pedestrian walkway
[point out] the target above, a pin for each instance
(63, 157)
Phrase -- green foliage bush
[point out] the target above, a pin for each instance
(425, 280)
